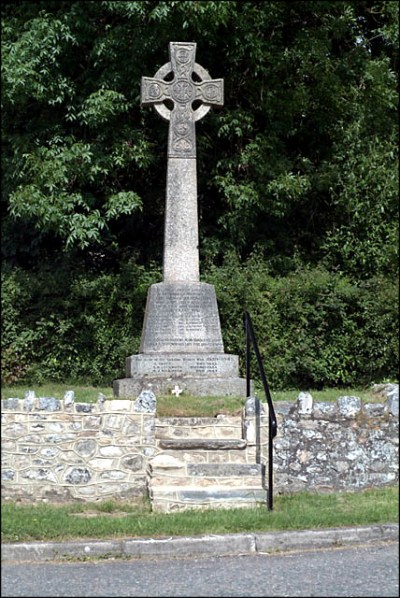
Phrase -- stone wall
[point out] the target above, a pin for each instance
(59, 450)
(345, 445)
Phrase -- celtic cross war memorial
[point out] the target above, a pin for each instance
(181, 345)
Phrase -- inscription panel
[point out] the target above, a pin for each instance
(181, 317)
(182, 365)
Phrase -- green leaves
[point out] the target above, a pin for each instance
(32, 59)
(101, 106)
(124, 202)
(366, 199)
(53, 201)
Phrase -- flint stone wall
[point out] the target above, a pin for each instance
(345, 445)
(57, 450)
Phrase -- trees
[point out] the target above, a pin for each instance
(299, 167)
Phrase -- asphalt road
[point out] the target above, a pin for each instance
(371, 570)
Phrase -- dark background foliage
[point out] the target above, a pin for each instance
(297, 183)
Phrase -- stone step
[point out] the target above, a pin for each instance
(174, 484)
(204, 470)
(160, 480)
(206, 444)
(213, 456)
(220, 427)
(180, 498)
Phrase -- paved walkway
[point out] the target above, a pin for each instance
(209, 545)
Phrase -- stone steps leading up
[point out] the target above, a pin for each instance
(215, 470)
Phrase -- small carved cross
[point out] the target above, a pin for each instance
(182, 90)
(176, 391)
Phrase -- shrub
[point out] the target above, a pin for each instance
(315, 328)
(74, 325)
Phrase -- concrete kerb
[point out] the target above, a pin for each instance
(197, 546)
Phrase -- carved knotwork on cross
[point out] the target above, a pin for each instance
(183, 91)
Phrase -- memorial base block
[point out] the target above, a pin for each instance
(201, 386)
(196, 374)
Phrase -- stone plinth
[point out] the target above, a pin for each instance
(181, 346)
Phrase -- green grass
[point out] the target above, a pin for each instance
(83, 394)
(112, 520)
(185, 405)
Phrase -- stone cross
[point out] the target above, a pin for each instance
(182, 99)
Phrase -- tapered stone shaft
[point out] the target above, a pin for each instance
(181, 239)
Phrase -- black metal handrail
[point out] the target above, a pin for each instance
(273, 427)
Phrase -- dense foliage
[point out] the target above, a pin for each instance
(297, 183)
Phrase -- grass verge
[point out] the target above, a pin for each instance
(111, 519)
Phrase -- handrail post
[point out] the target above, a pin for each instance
(270, 467)
(246, 325)
(272, 424)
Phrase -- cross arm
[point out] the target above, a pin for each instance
(154, 90)
(211, 92)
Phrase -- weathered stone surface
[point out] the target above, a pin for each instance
(29, 401)
(305, 403)
(166, 462)
(134, 463)
(49, 403)
(198, 427)
(393, 405)
(86, 448)
(77, 475)
(69, 398)
(231, 495)
(182, 90)
(349, 406)
(171, 499)
(391, 391)
(39, 474)
(325, 451)
(83, 407)
(253, 406)
(181, 253)
(11, 403)
(224, 469)
(146, 402)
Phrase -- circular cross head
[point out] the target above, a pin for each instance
(182, 91)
